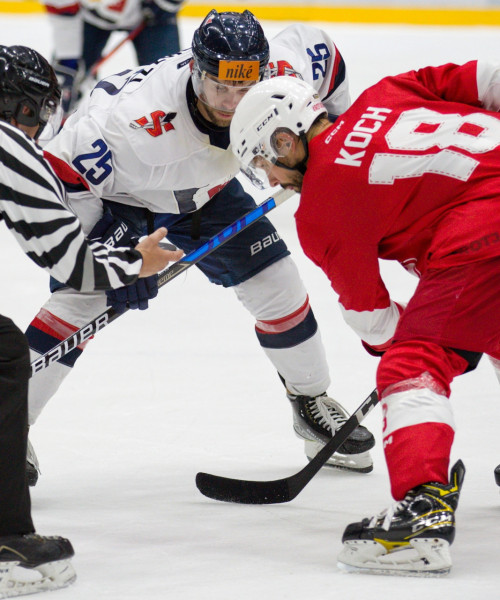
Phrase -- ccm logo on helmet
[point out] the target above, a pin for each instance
(265, 121)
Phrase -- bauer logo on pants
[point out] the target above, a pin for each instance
(264, 243)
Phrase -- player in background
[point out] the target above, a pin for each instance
(32, 206)
(409, 173)
(151, 146)
(80, 31)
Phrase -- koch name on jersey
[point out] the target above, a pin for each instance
(408, 173)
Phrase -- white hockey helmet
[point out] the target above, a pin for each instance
(274, 105)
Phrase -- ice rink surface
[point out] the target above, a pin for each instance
(184, 387)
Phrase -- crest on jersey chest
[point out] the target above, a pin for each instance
(282, 67)
(157, 122)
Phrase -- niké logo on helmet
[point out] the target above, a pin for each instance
(239, 70)
(159, 123)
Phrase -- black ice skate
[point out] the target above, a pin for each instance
(22, 556)
(32, 466)
(314, 420)
(411, 538)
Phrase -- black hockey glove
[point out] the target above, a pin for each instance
(114, 232)
(134, 296)
(376, 350)
(70, 75)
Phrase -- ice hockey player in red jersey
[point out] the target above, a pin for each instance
(408, 173)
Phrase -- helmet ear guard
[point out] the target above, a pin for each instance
(29, 91)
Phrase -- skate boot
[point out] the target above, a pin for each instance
(316, 419)
(32, 466)
(411, 538)
(497, 475)
(24, 556)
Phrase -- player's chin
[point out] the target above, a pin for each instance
(290, 186)
(224, 118)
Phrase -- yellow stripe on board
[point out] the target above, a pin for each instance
(357, 14)
(20, 7)
(333, 14)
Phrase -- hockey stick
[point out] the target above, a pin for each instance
(131, 36)
(108, 316)
(281, 490)
(88, 80)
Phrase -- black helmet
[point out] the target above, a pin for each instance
(27, 81)
(229, 36)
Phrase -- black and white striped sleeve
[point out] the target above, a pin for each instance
(32, 205)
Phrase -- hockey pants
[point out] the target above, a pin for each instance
(450, 320)
(15, 508)
(276, 298)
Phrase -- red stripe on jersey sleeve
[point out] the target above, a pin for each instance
(335, 71)
(65, 173)
(65, 11)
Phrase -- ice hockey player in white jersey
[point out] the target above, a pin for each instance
(32, 207)
(150, 147)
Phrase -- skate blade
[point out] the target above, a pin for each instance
(358, 463)
(423, 557)
(20, 581)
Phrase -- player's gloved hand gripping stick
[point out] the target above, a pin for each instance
(105, 318)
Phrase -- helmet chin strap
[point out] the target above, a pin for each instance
(301, 166)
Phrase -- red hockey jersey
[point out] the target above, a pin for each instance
(411, 172)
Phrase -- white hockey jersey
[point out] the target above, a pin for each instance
(134, 139)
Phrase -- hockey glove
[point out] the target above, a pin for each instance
(69, 72)
(160, 12)
(134, 296)
(111, 231)
(380, 349)
(376, 350)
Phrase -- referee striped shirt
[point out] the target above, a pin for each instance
(32, 206)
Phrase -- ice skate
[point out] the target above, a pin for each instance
(32, 466)
(314, 420)
(413, 537)
(33, 563)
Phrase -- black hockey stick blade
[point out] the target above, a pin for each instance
(281, 490)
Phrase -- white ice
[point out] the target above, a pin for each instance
(184, 387)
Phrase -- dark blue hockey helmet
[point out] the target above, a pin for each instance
(227, 38)
(29, 91)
